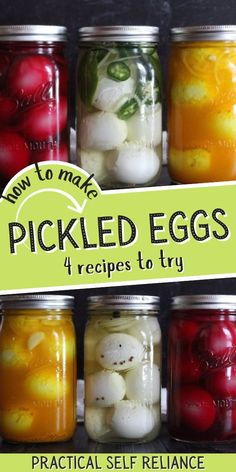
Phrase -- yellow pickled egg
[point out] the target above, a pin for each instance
(46, 384)
(16, 420)
(14, 357)
(223, 125)
(196, 159)
(193, 92)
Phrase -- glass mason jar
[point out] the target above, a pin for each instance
(202, 368)
(119, 113)
(202, 104)
(122, 368)
(37, 368)
(33, 97)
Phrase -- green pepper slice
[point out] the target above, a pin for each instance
(128, 109)
(88, 77)
(118, 70)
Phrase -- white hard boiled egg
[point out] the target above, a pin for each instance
(134, 163)
(132, 420)
(146, 126)
(105, 388)
(143, 383)
(110, 95)
(94, 163)
(95, 422)
(102, 131)
(119, 351)
(147, 331)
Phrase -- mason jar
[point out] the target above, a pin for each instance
(119, 112)
(33, 97)
(122, 368)
(202, 104)
(37, 368)
(202, 368)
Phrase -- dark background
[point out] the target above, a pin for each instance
(162, 13)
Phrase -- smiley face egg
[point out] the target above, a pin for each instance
(119, 351)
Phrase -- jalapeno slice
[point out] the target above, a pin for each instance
(118, 70)
(88, 77)
(128, 109)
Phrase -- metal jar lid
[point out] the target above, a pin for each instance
(119, 33)
(212, 302)
(123, 302)
(204, 33)
(21, 302)
(32, 33)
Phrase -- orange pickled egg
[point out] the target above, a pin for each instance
(46, 383)
(16, 420)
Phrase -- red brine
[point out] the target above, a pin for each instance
(33, 97)
(202, 368)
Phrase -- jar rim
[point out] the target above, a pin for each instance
(124, 302)
(32, 33)
(210, 301)
(204, 33)
(123, 33)
(37, 301)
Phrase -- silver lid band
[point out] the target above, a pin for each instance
(211, 302)
(119, 33)
(21, 302)
(33, 33)
(204, 33)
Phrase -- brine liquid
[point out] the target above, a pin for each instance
(38, 377)
(122, 378)
(201, 112)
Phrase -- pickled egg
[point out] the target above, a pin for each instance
(14, 357)
(223, 125)
(143, 383)
(119, 351)
(46, 384)
(95, 422)
(193, 159)
(16, 420)
(195, 91)
(131, 420)
(134, 163)
(102, 131)
(105, 388)
(110, 95)
(146, 127)
(147, 331)
(94, 163)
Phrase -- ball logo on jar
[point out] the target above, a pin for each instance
(42, 93)
(209, 361)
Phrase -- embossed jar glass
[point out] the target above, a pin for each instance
(33, 97)
(202, 104)
(202, 368)
(119, 111)
(37, 368)
(122, 368)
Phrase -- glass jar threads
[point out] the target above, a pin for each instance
(37, 368)
(202, 368)
(202, 104)
(122, 368)
(119, 113)
(33, 97)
